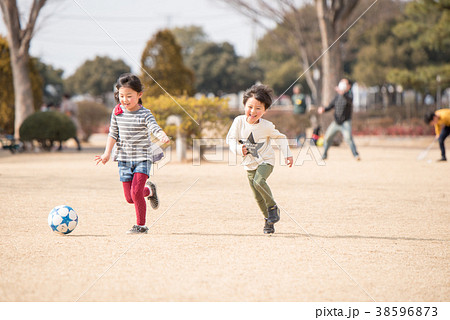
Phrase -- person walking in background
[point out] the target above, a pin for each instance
(130, 130)
(70, 108)
(440, 119)
(343, 109)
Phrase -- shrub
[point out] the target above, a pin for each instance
(46, 128)
(210, 115)
(91, 115)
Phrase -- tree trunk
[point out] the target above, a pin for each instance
(333, 17)
(19, 44)
(23, 94)
(332, 59)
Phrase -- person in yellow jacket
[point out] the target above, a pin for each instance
(440, 119)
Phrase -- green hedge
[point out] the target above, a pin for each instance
(46, 128)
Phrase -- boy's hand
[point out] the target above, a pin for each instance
(321, 110)
(104, 158)
(244, 150)
(290, 161)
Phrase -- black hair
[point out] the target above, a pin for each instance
(128, 80)
(429, 116)
(260, 92)
(350, 82)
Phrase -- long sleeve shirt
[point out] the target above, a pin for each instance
(132, 131)
(343, 107)
(257, 138)
(444, 120)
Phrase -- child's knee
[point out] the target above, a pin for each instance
(136, 194)
(258, 182)
(129, 198)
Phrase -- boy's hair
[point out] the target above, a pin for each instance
(128, 80)
(260, 92)
(429, 116)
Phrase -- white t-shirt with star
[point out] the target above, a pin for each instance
(257, 138)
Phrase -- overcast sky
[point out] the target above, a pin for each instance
(72, 31)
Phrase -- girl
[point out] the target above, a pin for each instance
(249, 136)
(130, 129)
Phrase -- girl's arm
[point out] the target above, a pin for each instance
(104, 158)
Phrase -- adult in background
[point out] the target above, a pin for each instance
(343, 108)
(299, 102)
(70, 108)
(440, 119)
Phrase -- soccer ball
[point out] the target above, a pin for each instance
(62, 219)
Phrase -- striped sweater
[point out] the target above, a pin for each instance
(133, 134)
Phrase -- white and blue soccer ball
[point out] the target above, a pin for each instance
(62, 219)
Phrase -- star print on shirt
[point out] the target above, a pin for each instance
(252, 146)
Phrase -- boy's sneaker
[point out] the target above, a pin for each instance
(442, 159)
(268, 228)
(138, 229)
(153, 198)
(274, 215)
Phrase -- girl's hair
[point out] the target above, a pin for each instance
(128, 80)
(260, 92)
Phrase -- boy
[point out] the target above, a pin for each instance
(440, 119)
(249, 136)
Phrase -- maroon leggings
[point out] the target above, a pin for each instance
(135, 192)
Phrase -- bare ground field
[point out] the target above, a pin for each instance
(374, 230)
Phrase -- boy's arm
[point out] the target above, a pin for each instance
(283, 144)
(232, 139)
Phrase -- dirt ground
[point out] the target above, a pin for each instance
(374, 230)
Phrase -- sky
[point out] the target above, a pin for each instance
(69, 32)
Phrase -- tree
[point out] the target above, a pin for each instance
(7, 111)
(333, 17)
(19, 44)
(333, 20)
(164, 70)
(218, 69)
(278, 54)
(410, 49)
(96, 77)
(423, 36)
(52, 82)
(188, 38)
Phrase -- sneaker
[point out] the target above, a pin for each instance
(137, 229)
(153, 198)
(357, 158)
(274, 215)
(268, 228)
(442, 159)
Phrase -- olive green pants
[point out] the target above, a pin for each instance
(257, 179)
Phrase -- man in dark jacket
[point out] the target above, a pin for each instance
(343, 107)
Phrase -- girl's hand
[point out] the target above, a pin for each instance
(104, 158)
(290, 161)
(162, 136)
